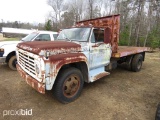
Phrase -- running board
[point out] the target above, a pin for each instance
(97, 73)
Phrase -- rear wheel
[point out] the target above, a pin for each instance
(128, 62)
(68, 85)
(12, 62)
(137, 63)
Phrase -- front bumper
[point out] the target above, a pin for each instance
(2, 59)
(40, 87)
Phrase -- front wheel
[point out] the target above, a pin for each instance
(157, 117)
(12, 62)
(68, 85)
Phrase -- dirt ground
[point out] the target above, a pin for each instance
(123, 95)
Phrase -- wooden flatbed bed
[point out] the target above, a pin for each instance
(128, 50)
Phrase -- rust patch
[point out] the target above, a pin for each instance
(111, 25)
(100, 75)
(40, 87)
(67, 57)
(57, 61)
(55, 46)
(63, 59)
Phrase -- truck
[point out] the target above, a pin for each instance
(82, 53)
(8, 48)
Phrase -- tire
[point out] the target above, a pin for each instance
(128, 63)
(157, 116)
(137, 63)
(68, 85)
(12, 62)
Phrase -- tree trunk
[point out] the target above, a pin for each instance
(149, 23)
(140, 10)
(130, 34)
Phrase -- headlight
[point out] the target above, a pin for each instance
(47, 54)
(39, 68)
(1, 52)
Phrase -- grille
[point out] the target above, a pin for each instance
(27, 62)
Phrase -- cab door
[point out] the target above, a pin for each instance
(100, 53)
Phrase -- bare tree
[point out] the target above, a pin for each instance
(148, 22)
(78, 8)
(109, 6)
(95, 8)
(138, 21)
(57, 6)
(140, 7)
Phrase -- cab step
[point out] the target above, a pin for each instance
(97, 73)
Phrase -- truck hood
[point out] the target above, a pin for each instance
(8, 43)
(54, 47)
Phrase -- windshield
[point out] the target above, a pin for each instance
(74, 34)
(30, 37)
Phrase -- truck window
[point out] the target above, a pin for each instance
(30, 37)
(44, 37)
(75, 34)
(99, 35)
(93, 38)
(55, 36)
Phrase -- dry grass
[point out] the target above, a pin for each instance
(123, 95)
(7, 39)
(1, 37)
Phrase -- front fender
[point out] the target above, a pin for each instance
(62, 59)
(56, 62)
(8, 49)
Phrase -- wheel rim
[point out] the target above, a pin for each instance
(139, 64)
(71, 85)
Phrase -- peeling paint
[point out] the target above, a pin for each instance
(100, 75)
(39, 86)
(54, 47)
(39, 63)
(111, 24)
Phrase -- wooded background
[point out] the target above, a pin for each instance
(140, 19)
